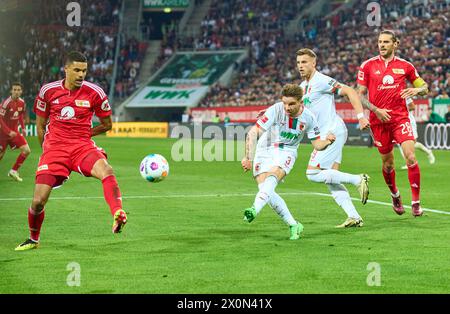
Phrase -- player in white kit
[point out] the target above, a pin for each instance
(319, 91)
(277, 135)
(411, 106)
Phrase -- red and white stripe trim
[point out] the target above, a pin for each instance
(371, 59)
(6, 102)
(403, 60)
(96, 88)
(47, 87)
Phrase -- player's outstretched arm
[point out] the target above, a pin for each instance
(382, 114)
(354, 99)
(41, 124)
(104, 126)
(319, 144)
(250, 147)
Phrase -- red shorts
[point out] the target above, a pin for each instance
(15, 142)
(387, 134)
(59, 161)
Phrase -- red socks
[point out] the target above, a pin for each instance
(35, 222)
(112, 194)
(414, 181)
(20, 159)
(389, 178)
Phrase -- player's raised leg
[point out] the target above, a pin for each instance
(24, 153)
(104, 172)
(36, 212)
(413, 176)
(267, 182)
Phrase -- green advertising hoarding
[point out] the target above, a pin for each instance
(185, 80)
(160, 5)
(195, 69)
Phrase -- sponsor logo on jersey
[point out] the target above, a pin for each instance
(67, 113)
(55, 102)
(360, 75)
(316, 130)
(388, 80)
(105, 105)
(41, 105)
(398, 71)
(264, 119)
(289, 135)
(43, 167)
(377, 72)
(82, 103)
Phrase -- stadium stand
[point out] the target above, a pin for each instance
(341, 49)
(47, 35)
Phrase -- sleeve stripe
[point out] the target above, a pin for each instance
(96, 88)
(47, 87)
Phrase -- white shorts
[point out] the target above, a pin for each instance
(413, 124)
(276, 157)
(326, 158)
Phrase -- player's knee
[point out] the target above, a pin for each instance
(315, 175)
(410, 158)
(107, 171)
(320, 176)
(388, 164)
(26, 151)
(38, 203)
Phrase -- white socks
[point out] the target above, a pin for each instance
(267, 195)
(331, 176)
(280, 207)
(266, 189)
(342, 198)
(422, 148)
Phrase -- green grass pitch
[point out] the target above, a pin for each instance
(186, 234)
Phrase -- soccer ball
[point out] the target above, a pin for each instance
(154, 168)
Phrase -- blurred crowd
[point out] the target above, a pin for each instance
(342, 41)
(47, 38)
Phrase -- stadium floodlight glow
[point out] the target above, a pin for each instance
(167, 10)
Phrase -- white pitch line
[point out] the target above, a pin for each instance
(212, 195)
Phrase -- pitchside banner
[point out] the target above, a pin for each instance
(158, 5)
(249, 113)
(139, 129)
(155, 96)
(185, 80)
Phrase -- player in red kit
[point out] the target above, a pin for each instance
(64, 111)
(384, 77)
(12, 112)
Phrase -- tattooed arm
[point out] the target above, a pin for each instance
(250, 146)
(382, 114)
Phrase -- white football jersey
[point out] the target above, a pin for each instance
(319, 98)
(283, 131)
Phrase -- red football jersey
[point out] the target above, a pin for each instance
(385, 81)
(11, 113)
(70, 112)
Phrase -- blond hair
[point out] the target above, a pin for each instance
(306, 51)
(395, 39)
(292, 90)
